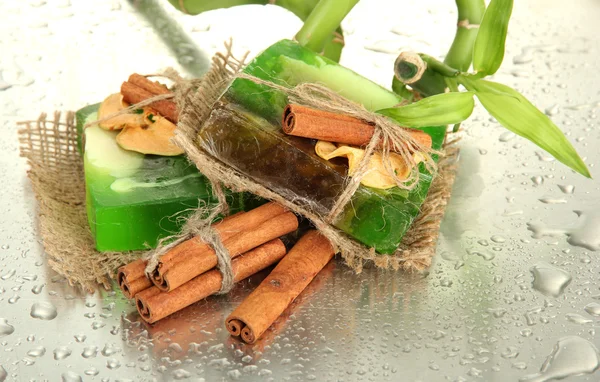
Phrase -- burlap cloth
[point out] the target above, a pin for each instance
(56, 173)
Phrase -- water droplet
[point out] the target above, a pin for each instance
(179, 374)
(5, 328)
(98, 324)
(43, 311)
(571, 356)
(37, 352)
(14, 299)
(587, 235)
(577, 318)
(593, 309)
(89, 352)
(497, 312)
(506, 136)
(92, 371)
(71, 376)
(552, 110)
(537, 180)
(3, 374)
(498, 239)
(37, 289)
(544, 157)
(61, 353)
(80, 337)
(487, 256)
(567, 188)
(109, 350)
(553, 200)
(549, 280)
(510, 352)
(8, 274)
(112, 363)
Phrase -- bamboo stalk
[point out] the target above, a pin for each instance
(470, 14)
(322, 22)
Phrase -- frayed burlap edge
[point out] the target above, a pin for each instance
(418, 248)
(57, 179)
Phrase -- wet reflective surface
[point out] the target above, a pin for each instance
(514, 291)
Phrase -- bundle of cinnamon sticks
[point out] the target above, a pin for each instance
(186, 273)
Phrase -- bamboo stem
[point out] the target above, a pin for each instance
(325, 18)
(470, 14)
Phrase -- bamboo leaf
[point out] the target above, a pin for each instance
(441, 109)
(518, 115)
(488, 51)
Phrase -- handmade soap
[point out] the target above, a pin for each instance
(135, 199)
(244, 131)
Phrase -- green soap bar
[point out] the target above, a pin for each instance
(133, 199)
(244, 131)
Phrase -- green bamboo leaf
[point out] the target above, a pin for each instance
(518, 115)
(441, 109)
(488, 51)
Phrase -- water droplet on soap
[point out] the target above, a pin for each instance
(89, 352)
(549, 280)
(37, 289)
(92, 371)
(14, 299)
(571, 356)
(71, 376)
(37, 352)
(61, 353)
(5, 328)
(43, 311)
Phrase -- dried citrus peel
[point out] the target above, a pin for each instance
(153, 138)
(377, 175)
(113, 104)
(146, 132)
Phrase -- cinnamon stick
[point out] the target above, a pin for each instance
(302, 121)
(205, 259)
(153, 305)
(289, 278)
(132, 278)
(143, 82)
(133, 94)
